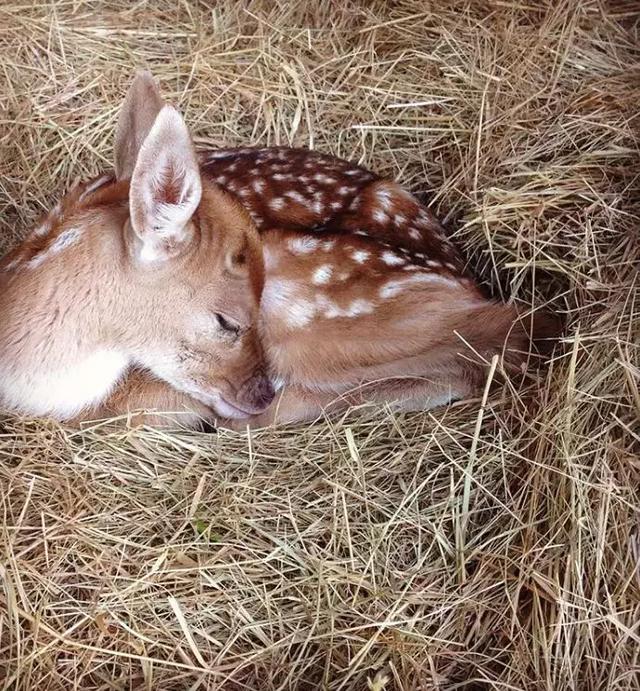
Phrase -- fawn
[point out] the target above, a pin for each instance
(207, 283)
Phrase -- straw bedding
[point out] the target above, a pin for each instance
(491, 545)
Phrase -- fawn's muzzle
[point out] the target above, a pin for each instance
(256, 393)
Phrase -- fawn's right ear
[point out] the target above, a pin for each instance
(137, 115)
(165, 190)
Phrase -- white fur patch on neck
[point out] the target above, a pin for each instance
(65, 392)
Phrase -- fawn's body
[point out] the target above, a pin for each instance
(203, 285)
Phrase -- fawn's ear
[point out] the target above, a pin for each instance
(137, 115)
(165, 189)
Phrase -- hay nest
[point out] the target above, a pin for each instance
(482, 546)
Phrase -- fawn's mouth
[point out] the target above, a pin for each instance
(223, 406)
(226, 409)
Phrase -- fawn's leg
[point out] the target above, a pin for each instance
(150, 401)
(297, 404)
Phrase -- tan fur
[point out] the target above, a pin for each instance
(99, 303)
(349, 293)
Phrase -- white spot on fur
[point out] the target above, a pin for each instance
(318, 207)
(423, 220)
(66, 239)
(328, 245)
(303, 245)
(353, 309)
(391, 259)
(344, 191)
(258, 186)
(221, 179)
(380, 216)
(277, 203)
(393, 288)
(384, 197)
(360, 256)
(42, 230)
(214, 155)
(336, 206)
(322, 275)
(324, 179)
(295, 196)
(415, 234)
(37, 260)
(282, 299)
(399, 219)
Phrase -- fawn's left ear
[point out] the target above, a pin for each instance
(137, 115)
(165, 189)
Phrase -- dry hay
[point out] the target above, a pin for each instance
(479, 547)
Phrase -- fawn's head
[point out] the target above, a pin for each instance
(194, 253)
(158, 269)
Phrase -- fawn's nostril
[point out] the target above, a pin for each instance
(257, 392)
(267, 391)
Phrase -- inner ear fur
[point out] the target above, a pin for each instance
(165, 188)
(137, 115)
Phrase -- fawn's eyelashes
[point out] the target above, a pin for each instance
(227, 324)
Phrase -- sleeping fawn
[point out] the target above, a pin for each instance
(243, 286)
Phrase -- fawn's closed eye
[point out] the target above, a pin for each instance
(227, 324)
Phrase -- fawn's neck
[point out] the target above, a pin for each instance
(65, 319)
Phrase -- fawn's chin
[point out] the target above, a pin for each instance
(222, 407)
(228, 410)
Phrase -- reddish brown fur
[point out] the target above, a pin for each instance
(284, 172)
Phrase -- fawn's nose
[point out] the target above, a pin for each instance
(257, 392)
